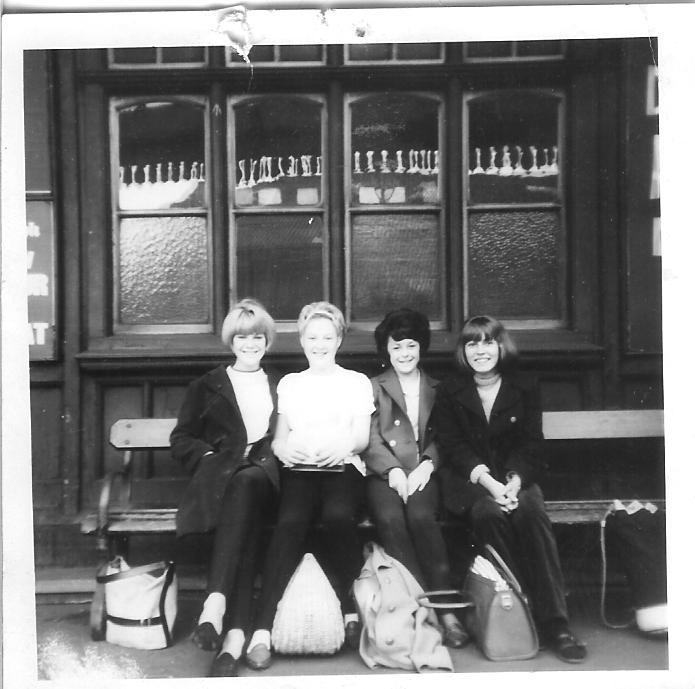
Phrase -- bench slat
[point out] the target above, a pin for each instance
(141, 434)
(623, 423)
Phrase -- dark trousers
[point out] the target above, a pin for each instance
(333, 499)
(247, 502)
(524, 539)
(409, 531)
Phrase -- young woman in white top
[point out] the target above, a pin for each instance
(323, 424)
(223, 437)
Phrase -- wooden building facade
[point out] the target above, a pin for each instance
(513, 178)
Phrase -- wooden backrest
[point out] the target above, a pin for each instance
(141, 434)
(144, 434)
(622, 423)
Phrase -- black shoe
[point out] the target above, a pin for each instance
(225, 665)
(259, 657)
(206, 637)
(353, 631)
(566, 647)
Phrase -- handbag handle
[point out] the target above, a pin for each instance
(133, 572)
(501, 564)
(423, 599)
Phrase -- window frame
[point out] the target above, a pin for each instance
(393, 60)
(276, 61)
(440, 209)
(561, 205)
(233, 211)
(115, 105)
(158, 63)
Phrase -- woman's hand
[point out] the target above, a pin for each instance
(399, 482)
(498, 491)
(333, 452)
(419, 477)
(289, 453)
(511, 490)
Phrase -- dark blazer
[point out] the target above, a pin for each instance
(392, 440)
(508, 442)
(210, 421)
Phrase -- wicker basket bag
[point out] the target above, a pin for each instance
(308, 618)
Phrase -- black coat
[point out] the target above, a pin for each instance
(210, 421)
(508, 442)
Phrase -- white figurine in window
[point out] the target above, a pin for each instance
(424, 168)
(492, 169)
(478, 169)
(435, 169)
(553, 168)
(534, 170)
(384, 161)
(370, 161)
(399, 159)
(242, 168)
(252, 172)
(519, 169)
(358, 169)
(318, 166)
(506, 170)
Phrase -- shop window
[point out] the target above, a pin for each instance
(500, 51)
(394, 52)
(279, 55)
(162, 248)
(514, 207)
(277, 209)
(393, 192)
(139, 58)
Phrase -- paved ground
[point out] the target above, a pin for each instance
(67, 652)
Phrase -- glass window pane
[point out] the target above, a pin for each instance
(370, 51)
(278, 152)
(412, 274)
(134, 56)
(418, 51)
(189, 54)
(536, 48)
(279, 261)
(258, 53)
(514, 264)
(161, 155)
(395, 156)
(301, 53)
(489, 49)
(163, 271)
(513, 148)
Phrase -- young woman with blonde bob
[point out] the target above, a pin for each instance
(223, 438)
(489, 425)
(323, 424)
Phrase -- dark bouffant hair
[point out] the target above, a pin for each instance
(402, 324)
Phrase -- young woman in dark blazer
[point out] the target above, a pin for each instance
(489, 424)
(223, 435)
(402, 495)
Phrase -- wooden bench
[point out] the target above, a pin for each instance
(113, 525)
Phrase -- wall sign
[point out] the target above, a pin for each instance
(41, 280)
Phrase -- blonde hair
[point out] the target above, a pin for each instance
(245, 317)
(322, 309)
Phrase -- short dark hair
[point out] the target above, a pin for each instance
(402, 324)
(486, 328)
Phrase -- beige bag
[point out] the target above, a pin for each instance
(308, 618)
(140, 603)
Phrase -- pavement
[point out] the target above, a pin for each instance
(66, 651)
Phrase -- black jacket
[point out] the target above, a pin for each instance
(210, 421)
(508, 442)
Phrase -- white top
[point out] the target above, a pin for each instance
(411, 392)
(255, 403)
(319, 406)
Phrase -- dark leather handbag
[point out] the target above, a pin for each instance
(495, 610)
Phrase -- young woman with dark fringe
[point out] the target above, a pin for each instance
(489, 424)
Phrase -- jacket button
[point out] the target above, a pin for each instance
(392, 608)
(389, 641)
(397, 422)
(513, 419)
(392, 443)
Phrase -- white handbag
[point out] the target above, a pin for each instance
(308, 619)
(140, 603)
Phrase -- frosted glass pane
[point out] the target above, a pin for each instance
(395, 262)
(514, 264)
(163, 271)
(161, 156)
(395, 156)
(280, 261)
